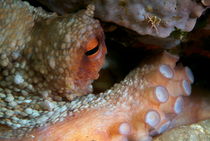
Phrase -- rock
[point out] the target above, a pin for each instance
(195, 132)
(156, 18)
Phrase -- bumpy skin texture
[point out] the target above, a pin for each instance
(140, 106)
(156, 18)
(47, 52)
(45, 57)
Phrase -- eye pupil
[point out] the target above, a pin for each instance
(92, 51)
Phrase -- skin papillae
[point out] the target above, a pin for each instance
(143, 103)
(47, 60)
(48, 52)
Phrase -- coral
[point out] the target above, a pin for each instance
(133, 14)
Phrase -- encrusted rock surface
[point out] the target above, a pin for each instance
(195, 132)
(146, 17)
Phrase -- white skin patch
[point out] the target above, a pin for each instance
(18, 79)
(52, 63)
(124, 129)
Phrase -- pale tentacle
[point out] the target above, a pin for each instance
(136, 109)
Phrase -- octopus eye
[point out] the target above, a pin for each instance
(92, 48)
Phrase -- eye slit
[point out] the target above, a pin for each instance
(92, 48)
(92, 51)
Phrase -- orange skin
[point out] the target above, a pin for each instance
(130, 110)
(128, 103)
(93, 125)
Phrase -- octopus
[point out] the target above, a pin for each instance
(47, 65)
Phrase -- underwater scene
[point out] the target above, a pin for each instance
(104, 70)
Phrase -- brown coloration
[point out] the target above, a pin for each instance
(101, 117)
(52, 59)
(50, 49)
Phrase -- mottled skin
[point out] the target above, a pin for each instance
(53, 60)
(45, 57)
(129, 102)
(52, 48)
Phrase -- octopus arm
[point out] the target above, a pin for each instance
(141, 106)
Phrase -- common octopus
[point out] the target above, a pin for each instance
(47, 65)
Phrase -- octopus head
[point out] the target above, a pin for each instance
(68, 52)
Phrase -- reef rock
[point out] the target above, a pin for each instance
(194, 132)
(157, 18)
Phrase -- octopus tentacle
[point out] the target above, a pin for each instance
(184, 73)
(135, 109)
(61, 55)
